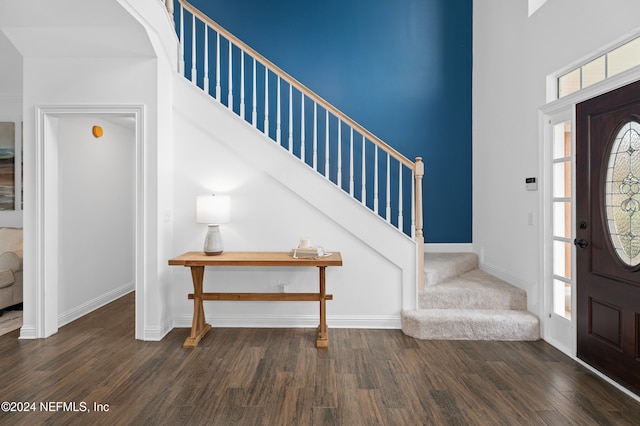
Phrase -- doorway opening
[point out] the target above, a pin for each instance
(88, 211)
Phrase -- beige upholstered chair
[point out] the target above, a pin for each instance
(10, 267)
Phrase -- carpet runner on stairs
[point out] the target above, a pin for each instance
(462, 302)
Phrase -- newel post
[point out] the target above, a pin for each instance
(169, 5)
(419, 234)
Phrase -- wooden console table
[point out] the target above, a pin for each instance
(198, 260)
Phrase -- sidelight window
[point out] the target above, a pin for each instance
(561, 219)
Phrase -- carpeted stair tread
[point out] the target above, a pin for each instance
(440, 267)
(471, 324)
(473, 290)
(462, 302)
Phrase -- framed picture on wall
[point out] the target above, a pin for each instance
(22, 165)
(7, 165)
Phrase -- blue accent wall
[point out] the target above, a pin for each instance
(400, 68)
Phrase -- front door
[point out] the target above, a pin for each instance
(608, 233)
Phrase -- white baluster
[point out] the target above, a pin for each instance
(364, 173)
(230, 96)
(388, 212)
(182, 70)
(400, 218)
(242, 107)
(266, 100)
(218, 89)
(254, 105)
(413, 203)
(416, 174)
(339, 180)
(302, 136)
(205, 85)
(351, 181)
(278, 115)
(315, 136)
(194, 71)
(290, 118)
(375, 180)
(326, 145)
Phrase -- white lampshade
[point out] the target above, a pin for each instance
(213, 209)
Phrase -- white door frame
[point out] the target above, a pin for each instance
(46, 210)
(556, 330)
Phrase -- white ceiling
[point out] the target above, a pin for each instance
(72, 28)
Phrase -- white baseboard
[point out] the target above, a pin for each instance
(291, 321)
(448, 248)
(155, 334)
(558, 345)
(94, 304)
(392, 322)
(506, 276)
(27, 332)
(528, 286)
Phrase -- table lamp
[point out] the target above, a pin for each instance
(213, 210)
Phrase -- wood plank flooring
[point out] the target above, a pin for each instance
(278, 377)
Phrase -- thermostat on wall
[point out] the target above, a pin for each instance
(531, 184)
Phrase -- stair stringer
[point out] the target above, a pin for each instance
(263, 153)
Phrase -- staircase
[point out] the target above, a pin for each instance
(461, 302)
(323, 138)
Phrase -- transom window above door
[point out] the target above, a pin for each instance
(607, 65)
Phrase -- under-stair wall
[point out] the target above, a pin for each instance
(277, 199)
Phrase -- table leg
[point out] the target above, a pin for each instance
(198, 326)
(322, 342)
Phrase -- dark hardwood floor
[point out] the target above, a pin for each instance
(278, 377)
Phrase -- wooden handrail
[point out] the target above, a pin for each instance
(299, 86)
(417, 167)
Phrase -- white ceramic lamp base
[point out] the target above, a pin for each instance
(213, 241)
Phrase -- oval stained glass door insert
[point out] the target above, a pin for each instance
(622, 194)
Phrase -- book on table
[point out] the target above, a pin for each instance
(307, 252)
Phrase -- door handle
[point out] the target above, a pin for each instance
(581, 243)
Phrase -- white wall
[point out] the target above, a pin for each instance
(377, 280)
(96, 199)
(513, 55)
(10, 70)
(276, 200)
(125, 57)
(94, 82)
